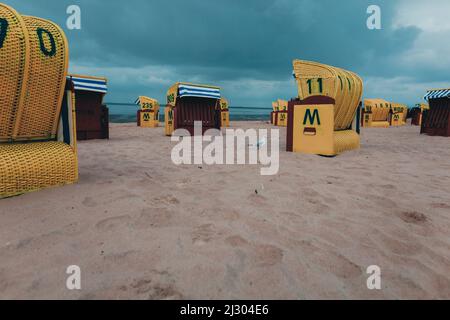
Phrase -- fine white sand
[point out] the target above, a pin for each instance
(142, 228)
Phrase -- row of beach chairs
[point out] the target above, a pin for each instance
(186, 103)
(38, 113)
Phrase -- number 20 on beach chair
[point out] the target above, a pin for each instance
(324, 119)
(37, 106)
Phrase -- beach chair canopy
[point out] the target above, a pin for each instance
(89, 83)
(147, 103)
(436, 119)
(190, 103)
(182, 90)
(437, 94)
(92, 113)
(345, 87)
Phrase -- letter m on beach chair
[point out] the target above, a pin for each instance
(37, 106)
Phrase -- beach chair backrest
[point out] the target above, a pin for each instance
(14, 63)
(147, 103)
(343, 86)
(282, 105)
(379, 108)
(39, 114)
(223, 104)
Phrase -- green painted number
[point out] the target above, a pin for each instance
(45, 51)
(310, 85)
(3, 31)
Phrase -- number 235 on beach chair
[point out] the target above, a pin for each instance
(148, 115)
(324, 119)
(37, 123)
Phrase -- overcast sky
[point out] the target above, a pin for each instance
(247, 46)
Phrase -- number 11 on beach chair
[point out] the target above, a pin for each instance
(324, 118)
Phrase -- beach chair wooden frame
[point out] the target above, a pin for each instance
(188, 102)
(92, 113)
(436, 120)
(416, 113)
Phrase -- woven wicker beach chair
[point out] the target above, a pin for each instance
(376, 113)
(37, 136)
(148, 115)
(324, 92)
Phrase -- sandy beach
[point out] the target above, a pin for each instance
(141, 227)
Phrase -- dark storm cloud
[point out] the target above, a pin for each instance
(220, 41)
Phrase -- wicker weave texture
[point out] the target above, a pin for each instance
(344, 86)
(28, 167)
(380, 109)
(14, 62)
(346, 140)
(45, 87)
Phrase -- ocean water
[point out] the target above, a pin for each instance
(123, 112)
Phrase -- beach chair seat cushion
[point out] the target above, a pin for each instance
(29, 167)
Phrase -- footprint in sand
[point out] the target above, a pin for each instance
(112, 223)
(89, 202)
(236, 241)
(203, 234)
(257, 199)
(166, 200)
(267, 255)
(326, 258)
(440, 205)
(413, 217)
(159, 286)
(154, 218)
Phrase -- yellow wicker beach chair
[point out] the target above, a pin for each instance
(280, 113)
(376, 113)
(37, 114)
(399, 112)
(324, 118)
(148, 115)
(224, 113)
